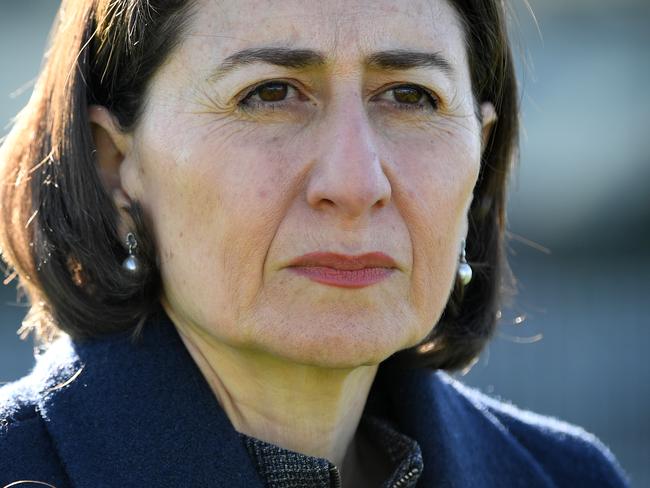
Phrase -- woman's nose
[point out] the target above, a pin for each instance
(348, 177)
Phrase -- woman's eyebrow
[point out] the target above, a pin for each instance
(390, 60)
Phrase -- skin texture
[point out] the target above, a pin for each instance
(235, 194)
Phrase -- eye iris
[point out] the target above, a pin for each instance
(406, 94)
(272, 92)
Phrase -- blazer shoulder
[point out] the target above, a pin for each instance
(571, 455)
(27, 451)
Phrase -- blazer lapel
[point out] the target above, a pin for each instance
(462, 443)
(140, 414)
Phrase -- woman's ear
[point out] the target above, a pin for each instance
(488, 117)
(111, 145)
(113, 149)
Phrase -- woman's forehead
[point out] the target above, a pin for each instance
(345, 30)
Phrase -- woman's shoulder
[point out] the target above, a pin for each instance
(118, 409)
(27, 451)
(468, 438)
(566, 452)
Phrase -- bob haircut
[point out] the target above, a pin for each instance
(59, 232)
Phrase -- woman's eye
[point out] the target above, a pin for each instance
(274, 94)
(267, 96)
(413, 97)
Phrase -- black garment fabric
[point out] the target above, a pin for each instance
(283, 468)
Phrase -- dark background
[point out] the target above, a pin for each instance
(574, 343)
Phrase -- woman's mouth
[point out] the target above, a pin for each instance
(344, 270)
(345, 278)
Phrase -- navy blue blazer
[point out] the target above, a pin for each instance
(111, 413)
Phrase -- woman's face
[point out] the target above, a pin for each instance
(350, 148)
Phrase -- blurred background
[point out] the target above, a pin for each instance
(574, 343)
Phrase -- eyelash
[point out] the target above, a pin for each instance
(251, 106)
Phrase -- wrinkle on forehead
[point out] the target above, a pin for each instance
(344, 27)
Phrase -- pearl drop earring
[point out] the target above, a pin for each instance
(131, 263)
(464, 270)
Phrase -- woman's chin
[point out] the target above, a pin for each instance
(343, 344)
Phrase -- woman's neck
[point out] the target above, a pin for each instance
(307, 409)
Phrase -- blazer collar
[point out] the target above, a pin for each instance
(142, 414)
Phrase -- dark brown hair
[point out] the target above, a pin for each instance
(60, 226)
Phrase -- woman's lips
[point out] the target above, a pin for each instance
(344, 270)
(345, 278)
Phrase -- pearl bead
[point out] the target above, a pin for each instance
(131, 264)
(465, 273)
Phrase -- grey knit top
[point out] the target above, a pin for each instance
(283, 468)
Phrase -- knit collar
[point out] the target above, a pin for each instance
(143, 415)
(282, 468)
